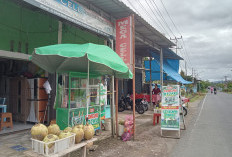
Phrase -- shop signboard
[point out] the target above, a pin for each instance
(72, 11)
(170, 95)
(124, 40)
(170, 116)
(78, 116)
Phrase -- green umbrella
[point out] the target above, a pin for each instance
(75, 57)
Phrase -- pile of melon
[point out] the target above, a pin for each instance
(53, 133)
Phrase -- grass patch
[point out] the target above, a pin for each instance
(196, 97)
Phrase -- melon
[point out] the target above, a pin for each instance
(68, 129)
(79, 126)
(54, 129)
(88, 131)
(50, 138)
(79, 134)
(64, 134)
(39, 131)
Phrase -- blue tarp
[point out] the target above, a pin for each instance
(170, 67)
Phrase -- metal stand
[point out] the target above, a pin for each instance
(178, 137)
(47, 110)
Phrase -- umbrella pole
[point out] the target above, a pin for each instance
(87, 93)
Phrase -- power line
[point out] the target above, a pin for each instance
(153, 5)
(185, 49)
(140, 13)
(151, 17)
(170, 17)
(159, 13)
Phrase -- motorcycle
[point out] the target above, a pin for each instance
(185, 110)
(140, 104)
(145, 104)
(184, 106)
(215, 92)
(121, 104)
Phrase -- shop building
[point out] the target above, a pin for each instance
(28, 24)
(24, 27)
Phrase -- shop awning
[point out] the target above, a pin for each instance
(14, 55)
(170, 67)
(167, 54)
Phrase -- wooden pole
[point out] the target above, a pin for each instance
(116, 105)
(161, 77)
(112, 104)
(133, 52)
(113, 109)
(150, 84)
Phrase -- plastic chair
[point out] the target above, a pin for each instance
(156, 117)
(2, 101)
(6, 123)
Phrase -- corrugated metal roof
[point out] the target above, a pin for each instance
(145, 33)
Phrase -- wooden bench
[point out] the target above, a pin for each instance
(81, 145)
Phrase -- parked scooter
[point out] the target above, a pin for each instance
(145, 104)
(184, 106)
(185, 110)
(121, 104)
(139, 106)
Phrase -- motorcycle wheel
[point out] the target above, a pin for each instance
(145, 107)
(185, 111)
(140, 109)
(120, 109)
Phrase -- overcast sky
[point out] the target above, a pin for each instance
(206, 27)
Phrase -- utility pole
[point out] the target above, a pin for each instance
(186, 68)
(226, 82)
(225, 78)
(176, 40)
(192, 75)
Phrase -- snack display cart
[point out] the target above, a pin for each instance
(72, 101)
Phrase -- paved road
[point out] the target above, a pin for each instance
(211, 133)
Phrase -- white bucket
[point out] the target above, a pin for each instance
(120, 129)
(107, 125)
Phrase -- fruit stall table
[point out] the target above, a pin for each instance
(81, 146)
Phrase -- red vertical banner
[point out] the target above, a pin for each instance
(124, 40)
